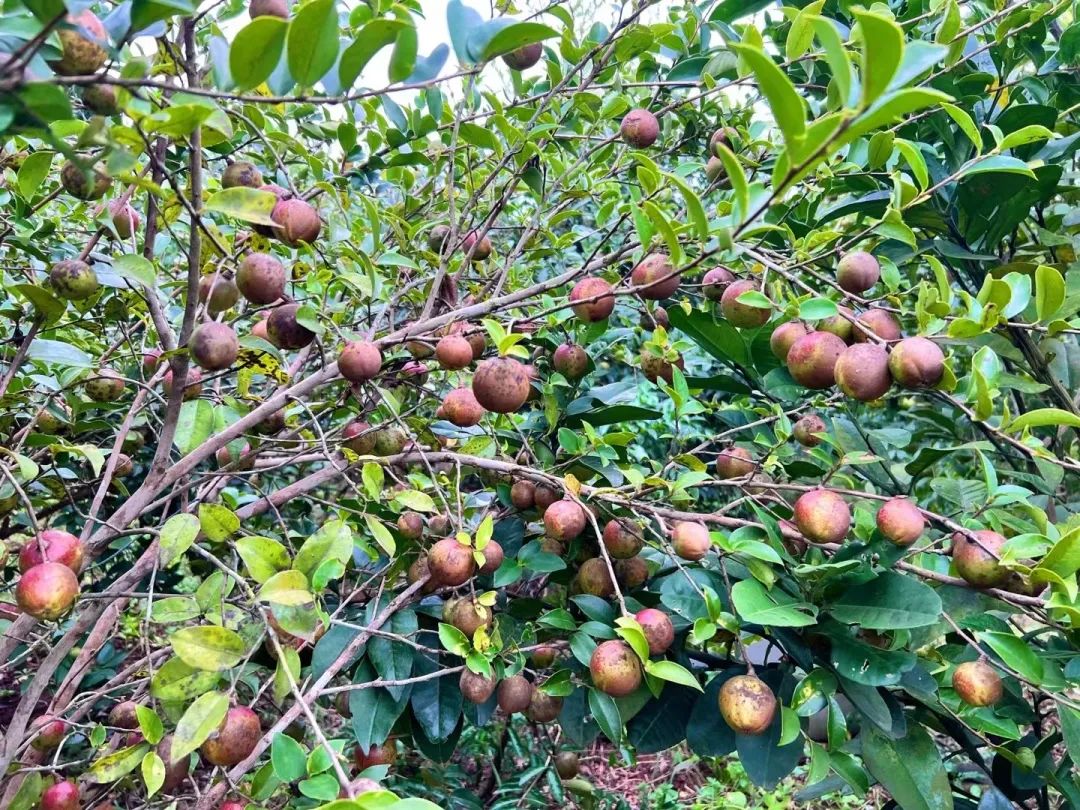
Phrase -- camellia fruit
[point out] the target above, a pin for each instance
(567, 765)
(360, 361)
(977, 559)
(297, 222)
(476, 247)
(501, 384)
(822, 516)
(877, 322)
(656, 277)
(82, 44)
(524, 57)
(783, 336)
(806, 430)
(468, 616)
(234, 739)
(411, 525)
(592, 299)
(48, 732)
(476, 688)
(269, 8)
(564, 520)
(862, 372)
(450, 562)
(734, 462)
(615, 668)
(515, 694)
(571, 361)
(73, 279)
(632, 573)
(690, 540)
(101, 99)
(104, 386)
(125, 219)
(454, 352)
(715, 282)
(739, 314)
(657, 628)
(493, 557)
(594, 578)
(214, 346)
(623, 538)
(811, 360)
(900, 521)
(261, 278)
(241, 172)
(83, 185)
(219, 292)
(857, 272)
(59, 547)
(62, 795)
(523, 494)
(747, 704)
(192, 384)
(977, 683)
(639, 128)
(47, 591)
(916, 362)
(543, 708)
(378, 754)
(285, 331)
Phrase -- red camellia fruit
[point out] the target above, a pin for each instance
(615, 668)
(524, 57)
(261, 278)
(501, 384)
(656, 277)
(47, 591)
(360, 361)
(657, 628)
(61, 796)
(591, 299)
(822, 516)
(234, 739)
(297, 222)
(564, 520)
(811, 360)
(639, 128)
(900, 521)
(59, 547)
(690, 540)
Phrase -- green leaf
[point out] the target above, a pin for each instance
(200, 720)
(403, 57)
(262, 556)
(817, 309)
(1049, 291)
(453, 640)
(891, 601)
(256, 51)
(516, 35)
(333, 541)
(287, 588)
(801, 33)
(1016, 653)
(371, 39)
(393, 660)
(910, 768)
(835, 55)
(149, 724)
(735, 174)
(915, 161)
(1043, 417)
(196, 424)
(134, 268)
(208, 647)
(670, 671)
(116, 765)
(374, 710)
(963, 120)
(288, 664)
(312, 42)
(177, 535)
(58, 353)
(882, 50)
(153, 772)
(381, 534)
(414, 499)
(243, 203)
(436, 703)
(218, 522)
(1025, 135)
(288, 757)
(176, 682)
(773, 608)
(693, 205)
(995, 164)
(34, 170)
(786, 104)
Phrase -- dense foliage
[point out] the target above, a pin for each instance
(704, 376)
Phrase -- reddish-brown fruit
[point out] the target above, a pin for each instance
(615, 668)
(715, 282)
(268, 8)
(82, 185)
(723, 135)
(380, 754)
(450, 562)
(420, 570)
(261, 278)
(900, 521)
(231, 805)
(977, 683)
(461, 408)
(235, 458)
(515, 694)
(656, 277)
(739, 314)
(297, 222)
(501, 384)
(61, 796)
(806, 428)
(623, 538)
(544, 496)
(916, 362)
(657, 367)
(690, 540)
(977, 560)
(658, 317)
(438, 239)
(192, 383)
(101, 99)
(48, 732)
(783, 336)
(125, 218)
(411, 525)
(218, 292)
(594, 578)
(214, 346)
(389, 441)
(822, 516)
(632, 573)
(493, 557)
(241, 172)
(714, 169)
(747, 704)
(476, 247)
(284, 331)
(881, 323)
(175, 772)
(657, 628)
(124, 715)
(360, 361)
(124, 466)
(571, 361)
(524, 57)
(47, 591)
(591, 299)
(523, 494)
(734, 462)
(862, 372)
(454, 352)
(82, 43)
(812, 358)
(258, 329)
(73, 279)
(564, 520)
(60, 547)
(857, 272)
(639, 128)
(567, 765)
(359, 437)
(839, 324)
(544, 657)
(274, 423)
(234, 739)
(543, 708)
(476, 688)
(469, 616)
